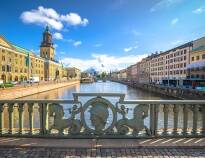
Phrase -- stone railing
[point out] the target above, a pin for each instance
(102, 115)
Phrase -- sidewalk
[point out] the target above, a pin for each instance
(65, 148)
(21, 91)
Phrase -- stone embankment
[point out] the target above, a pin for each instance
(26, 90)
(176, 92)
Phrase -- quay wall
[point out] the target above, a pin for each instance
(22, 91)
(189, 94)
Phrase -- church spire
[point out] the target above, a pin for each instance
(47, 37)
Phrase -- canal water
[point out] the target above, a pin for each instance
(113, 87)
(98, 87)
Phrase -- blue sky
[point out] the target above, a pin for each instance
(105, 34)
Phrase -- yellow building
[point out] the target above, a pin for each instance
(18, 64)
(73, 73)
(196, 68)
(53, 69)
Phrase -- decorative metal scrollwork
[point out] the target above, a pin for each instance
(99, 110)
(74, 125)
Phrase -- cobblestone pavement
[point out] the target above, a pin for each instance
(111, 152)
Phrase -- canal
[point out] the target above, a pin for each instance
(98, 87)
(109, 87)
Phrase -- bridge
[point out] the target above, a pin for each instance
(101, 122)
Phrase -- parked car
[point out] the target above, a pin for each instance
(34, 80)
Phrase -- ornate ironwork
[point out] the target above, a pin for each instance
(98, 116)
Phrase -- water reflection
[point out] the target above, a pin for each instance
(97, 87)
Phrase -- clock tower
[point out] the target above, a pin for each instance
(46, 48)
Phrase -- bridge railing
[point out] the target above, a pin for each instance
(102, 115)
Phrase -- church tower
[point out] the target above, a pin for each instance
(46, 49)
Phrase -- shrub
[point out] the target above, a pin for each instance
(6, 85)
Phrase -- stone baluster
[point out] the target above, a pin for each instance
(21, 117)
(43, 110)
(41, 116)
(1, 118)
(203, 119)
(156, 112)
(30, 111)
(166, 111)
(10, 110)
(185, 119)
(152, 119)
(195, 118)
(176, 116)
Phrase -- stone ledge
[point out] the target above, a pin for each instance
(103, 143)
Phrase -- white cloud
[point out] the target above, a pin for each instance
(130, 48)
(97, 45)
(164, 4)
(177, 42)
(199, 10)
(174, 21)
(103, 62)
(74, 19)
(136, 33)
(58, 36)
(48, 16)
(55, 46)
(77, 43)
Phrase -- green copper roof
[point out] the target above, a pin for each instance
(199, 48)
(22, 50)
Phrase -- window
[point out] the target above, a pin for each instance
(203, 56)
(197, 57)
(184, 51)
(3, 68)
(3, 58)
(192, 59)
(184, 57)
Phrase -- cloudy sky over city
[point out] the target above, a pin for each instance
(104, 34)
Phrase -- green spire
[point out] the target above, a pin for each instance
(47, 28)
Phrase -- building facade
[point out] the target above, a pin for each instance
(196, 68)
(73, 73)
(20, 64)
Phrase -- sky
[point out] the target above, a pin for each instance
(103, 34)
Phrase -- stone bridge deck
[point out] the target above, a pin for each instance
(163, 147)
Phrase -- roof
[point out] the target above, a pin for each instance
(21, 49)
(200, 48)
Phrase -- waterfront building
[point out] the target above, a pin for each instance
(20, 64)
(175, 65)
(73, 73)
(171, 67)
(53, 69)
(196, 68)
(114, 75)
(133, 74)
(157, 68)
(122, 74)
(144, 70)
(17, 63)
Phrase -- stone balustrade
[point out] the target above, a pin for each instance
(102, 115)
